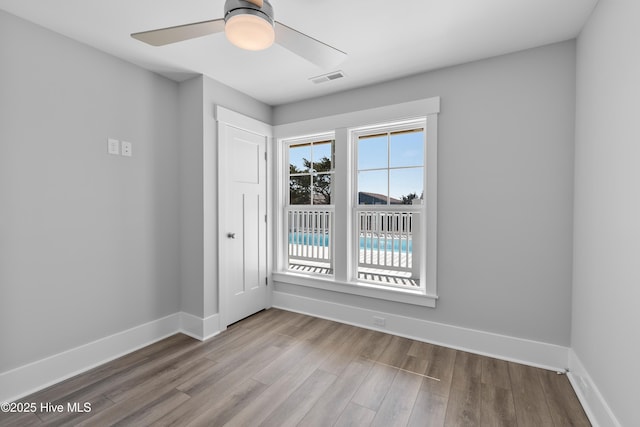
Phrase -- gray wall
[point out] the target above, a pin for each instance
(505, 166)
(198, 184)
(93, 244)
(88, 241)
(191, 214)
(606, 287)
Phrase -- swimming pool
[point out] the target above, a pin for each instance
(386, 244)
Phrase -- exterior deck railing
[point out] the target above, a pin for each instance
(387, 239)
(310, 235)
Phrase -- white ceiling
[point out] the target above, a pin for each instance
(383, 39)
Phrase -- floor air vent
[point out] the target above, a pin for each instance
(327, 77)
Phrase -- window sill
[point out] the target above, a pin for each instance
(406, 296)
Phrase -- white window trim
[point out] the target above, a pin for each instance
(342, 125)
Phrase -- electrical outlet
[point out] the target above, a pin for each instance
(379, 321)
(126, 149)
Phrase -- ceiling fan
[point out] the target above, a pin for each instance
(249, 24)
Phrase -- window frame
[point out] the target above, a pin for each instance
(387, 128)
(288, 207)
(342, 125)
(308, 139)
(354, 135)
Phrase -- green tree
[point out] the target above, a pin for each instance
(300, 182)
(408, 199)
(322, 182)
(299, 189)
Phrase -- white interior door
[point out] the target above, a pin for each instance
(243, 265)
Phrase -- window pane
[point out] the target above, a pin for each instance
(323, 156)
(405, 185)
(299, 158)
(372, 187)
(300, 190)
(322, 189)
(372, 152)
(406, 149)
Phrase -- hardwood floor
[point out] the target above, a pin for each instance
(279, 368)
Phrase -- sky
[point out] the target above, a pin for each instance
(402, 153)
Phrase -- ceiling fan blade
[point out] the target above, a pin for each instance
(179, 33)
(256, 2)
(307, 47)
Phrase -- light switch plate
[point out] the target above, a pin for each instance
(126, 149)
(113, 146)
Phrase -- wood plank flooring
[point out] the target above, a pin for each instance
(278, 368)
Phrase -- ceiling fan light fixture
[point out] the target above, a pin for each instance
(249, 29)
(249, 24)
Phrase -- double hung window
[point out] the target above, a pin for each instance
(390, 191)
(309, 210)
(359, 203)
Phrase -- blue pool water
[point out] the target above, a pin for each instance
(316, 239)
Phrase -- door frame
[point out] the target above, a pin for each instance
(225, 117)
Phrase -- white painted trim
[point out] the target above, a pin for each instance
(429, 264)
(279, 161)
(243, 122)
(344, 261)
(528, 352)
(27, 379)
(222, 194)
(191, 325)
(366, 290)
(387, 113)
(210, 327)
(597, 409)
(37, 375)
(199, 328)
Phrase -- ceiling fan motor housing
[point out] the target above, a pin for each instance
(242, 7)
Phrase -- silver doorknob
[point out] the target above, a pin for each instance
(231, 235)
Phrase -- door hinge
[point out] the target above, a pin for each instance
(265, 155)
(265, 218)
(266, 281)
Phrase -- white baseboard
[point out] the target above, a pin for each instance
(533, 353)
(211, 326)
(191, 325)
(35, 376)
(27, 379)
(199, 328)
(597, 409)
